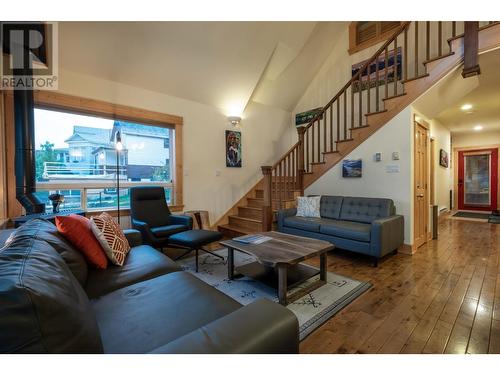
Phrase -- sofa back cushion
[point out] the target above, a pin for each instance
(330, 206)
(48, 232)
(365, 210)
(43, 308)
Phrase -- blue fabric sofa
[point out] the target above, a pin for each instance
(368, 226)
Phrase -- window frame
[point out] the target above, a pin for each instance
(354, 46)
(91, 107)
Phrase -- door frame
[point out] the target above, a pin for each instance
(428, 234)
(493, 180)
(456, 150)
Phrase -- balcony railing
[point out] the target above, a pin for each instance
(81, 171)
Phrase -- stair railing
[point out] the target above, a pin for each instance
(400, 59)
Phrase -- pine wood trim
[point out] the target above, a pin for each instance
(93, 107)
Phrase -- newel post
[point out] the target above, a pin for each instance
(267, 208)
(300, 167)
(471, 45)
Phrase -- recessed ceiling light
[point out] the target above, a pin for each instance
(466, 107)
(478, 127)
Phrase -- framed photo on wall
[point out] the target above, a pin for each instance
(233, 149)
(352, 168)
(443, 158)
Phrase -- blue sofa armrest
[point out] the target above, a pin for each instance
(182, 220)
(282, 214)
(387, 234)
(262, 327)
(133, 236)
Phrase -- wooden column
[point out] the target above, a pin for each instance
(300, 167)
(471, 42)
(267, 208)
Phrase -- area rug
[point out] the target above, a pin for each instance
(312, 310)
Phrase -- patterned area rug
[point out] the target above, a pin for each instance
(312, 310)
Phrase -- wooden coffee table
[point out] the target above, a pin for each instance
(278, 263)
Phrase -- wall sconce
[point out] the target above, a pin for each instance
(234, 120)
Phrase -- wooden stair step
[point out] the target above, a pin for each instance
(376, 112)
(394, 96)
(245, 222)
(415, 78)
(345, 140)
(250, 212)
(259, 193)
(231, 231)
(259, 202)
(330, 152)
(438, 58)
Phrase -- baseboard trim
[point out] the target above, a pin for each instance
(407, 249)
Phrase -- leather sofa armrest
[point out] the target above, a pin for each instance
(282, 214)
(182, 220)
(133, 236)
(387, 234)
(262, 327)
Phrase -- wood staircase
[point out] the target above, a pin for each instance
(352, 115)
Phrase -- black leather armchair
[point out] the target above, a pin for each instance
(150, 215)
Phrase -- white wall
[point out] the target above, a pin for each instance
(376, 182)
(476, 139)
(333, 75)
(443, 177)
(204, 143)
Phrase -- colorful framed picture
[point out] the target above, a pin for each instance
(394, 68)
(443, 158)
(351, 168)
(233, 149)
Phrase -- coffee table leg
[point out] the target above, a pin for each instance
(322, 267)
(230, 263)
(282, 284)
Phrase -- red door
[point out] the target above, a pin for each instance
(477, 179)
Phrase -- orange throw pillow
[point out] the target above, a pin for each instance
(76, 229)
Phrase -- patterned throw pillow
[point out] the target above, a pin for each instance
(111, 237)
(308, 206)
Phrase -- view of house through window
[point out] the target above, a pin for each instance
(76, 156)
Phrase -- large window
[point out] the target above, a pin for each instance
(76, 156)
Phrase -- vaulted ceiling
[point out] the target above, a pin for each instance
(223, 64)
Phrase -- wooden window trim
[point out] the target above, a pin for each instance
(92, 107)
(354, 47)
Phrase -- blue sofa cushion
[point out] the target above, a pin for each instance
(310, 224)
(346, 229)
(330, 206)
(365, 210)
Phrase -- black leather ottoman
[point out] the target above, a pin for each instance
(195, 239)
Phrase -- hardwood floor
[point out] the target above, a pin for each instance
(443, 299)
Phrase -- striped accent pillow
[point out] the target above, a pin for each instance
(111, 237)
